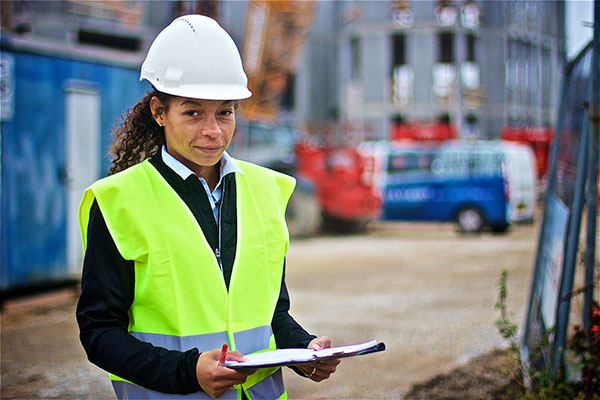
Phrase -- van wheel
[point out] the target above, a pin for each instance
(469, 220)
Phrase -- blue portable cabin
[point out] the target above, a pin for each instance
(57, 113)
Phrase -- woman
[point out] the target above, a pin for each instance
(185, 246)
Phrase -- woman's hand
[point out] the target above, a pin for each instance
(319, 370)
(215, 379)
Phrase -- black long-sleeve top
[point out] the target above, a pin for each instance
(107, 289)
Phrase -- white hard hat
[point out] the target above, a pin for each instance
(195, 57)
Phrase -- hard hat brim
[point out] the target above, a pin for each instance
(205, 91)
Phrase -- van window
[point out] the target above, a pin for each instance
(467, 163)
(406, 164)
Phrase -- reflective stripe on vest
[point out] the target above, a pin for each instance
(272, 388)
(249, 341)
(180, 298)
(126, 390)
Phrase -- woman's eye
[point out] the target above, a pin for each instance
(226, 112)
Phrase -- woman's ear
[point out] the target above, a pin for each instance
(157, 109)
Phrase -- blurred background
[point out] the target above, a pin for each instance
(326, 77)
(414, 128)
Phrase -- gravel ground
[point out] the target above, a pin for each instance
(424, 290)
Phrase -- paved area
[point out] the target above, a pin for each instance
(423, 289)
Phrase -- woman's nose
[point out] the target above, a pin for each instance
(211, 127)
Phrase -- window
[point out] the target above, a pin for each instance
(470, 39)
(402, 74)
(445, 47)
(398, 49)
(110, 40)
(532, 68)
(287, 98)
(355, 57)
(546, 77)
(511, 66)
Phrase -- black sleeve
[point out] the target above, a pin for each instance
(107, 287)
(288, 333)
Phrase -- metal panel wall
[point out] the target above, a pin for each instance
(34, 193)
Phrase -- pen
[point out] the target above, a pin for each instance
(223, 355)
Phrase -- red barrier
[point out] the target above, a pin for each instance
(423, 131)
(538, 137)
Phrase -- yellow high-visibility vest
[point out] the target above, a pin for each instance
(180, 297)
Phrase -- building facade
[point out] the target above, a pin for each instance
(475, 65)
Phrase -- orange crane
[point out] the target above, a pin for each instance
(335, 185)
(274, 35)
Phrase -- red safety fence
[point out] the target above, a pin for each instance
(423, 131)
(538, 137)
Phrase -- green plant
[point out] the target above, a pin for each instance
(504, 323)
(544, 386)
(586, 343)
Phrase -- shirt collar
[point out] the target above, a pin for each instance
(227, 165)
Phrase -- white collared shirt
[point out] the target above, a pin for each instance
(227, 166)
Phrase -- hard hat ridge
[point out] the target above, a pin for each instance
(195, 57)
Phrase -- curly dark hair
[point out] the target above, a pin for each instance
(138, 136)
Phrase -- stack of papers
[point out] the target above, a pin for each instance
(283, 357)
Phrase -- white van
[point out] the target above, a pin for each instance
(520, 173)
(473, 183)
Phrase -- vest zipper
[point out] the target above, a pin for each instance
(218, 249)
(218, 255)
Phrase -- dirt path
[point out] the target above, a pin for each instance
(424, 290)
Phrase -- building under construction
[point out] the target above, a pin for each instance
(468, 67)
(474, 66)
(351, 70)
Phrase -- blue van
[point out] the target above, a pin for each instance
(476, 184)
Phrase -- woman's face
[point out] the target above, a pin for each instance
(197, 132)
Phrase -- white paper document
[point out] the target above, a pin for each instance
(282, 357)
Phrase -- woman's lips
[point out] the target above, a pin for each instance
(209, 150)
